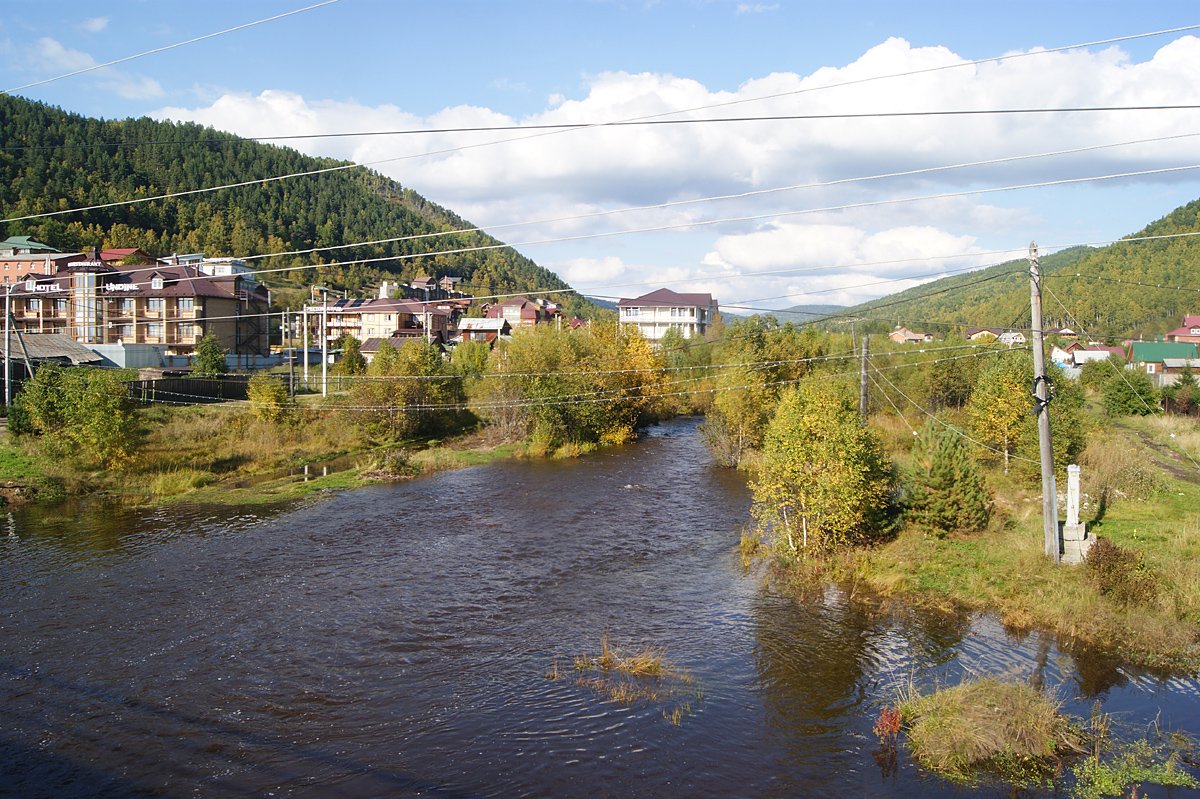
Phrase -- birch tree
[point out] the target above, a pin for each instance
(824, 483)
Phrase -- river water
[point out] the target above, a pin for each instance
(396, 641)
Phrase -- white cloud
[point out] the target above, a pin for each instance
(509, 85)
(591, 271)
(756, 8)
(542, 176)
(55, 57)
(94, 25)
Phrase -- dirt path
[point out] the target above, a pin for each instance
(1170, 459)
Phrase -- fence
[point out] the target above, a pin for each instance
(189, 390)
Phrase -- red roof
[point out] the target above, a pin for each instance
(121, 253)
(668, 298)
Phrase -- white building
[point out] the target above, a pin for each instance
(659, 311)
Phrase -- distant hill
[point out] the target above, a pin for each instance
(1108, 291)
(51, 159)
(803, 314)
(607, 305)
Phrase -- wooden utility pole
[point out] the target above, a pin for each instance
(862, 388)
(1041, 394)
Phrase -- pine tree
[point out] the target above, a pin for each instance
(946, 492)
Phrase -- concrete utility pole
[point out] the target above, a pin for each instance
(304, 324)
(1041, 393)
(291, 349)
(862, 388)
(7, 345)
(325, 349)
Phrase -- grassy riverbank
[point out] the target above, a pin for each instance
(222, 454)
(1144, 606)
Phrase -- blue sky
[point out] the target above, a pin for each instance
(374, 64)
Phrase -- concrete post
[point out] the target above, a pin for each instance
(1076, 541)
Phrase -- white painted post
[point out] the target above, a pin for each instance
(1076, 542)
(1072, 495)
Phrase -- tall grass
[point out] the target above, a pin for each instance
(1180, 431)
(987, 726)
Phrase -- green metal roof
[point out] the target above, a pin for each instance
(25, 243)
(1155, 351)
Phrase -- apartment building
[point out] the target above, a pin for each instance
(662, 310)
(94, 302)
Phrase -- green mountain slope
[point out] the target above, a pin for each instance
(51, 159)
(1109, 291)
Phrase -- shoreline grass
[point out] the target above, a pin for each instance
(994, 730)
(1142, 606)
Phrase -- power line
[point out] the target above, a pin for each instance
(951, 427)
(805, 90)
(1121, 372)
(166, 47)
(238, 139)
(738, 195)
(726, 220)
(571, 399)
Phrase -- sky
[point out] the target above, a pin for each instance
(763, 213)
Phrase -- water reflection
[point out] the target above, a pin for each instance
(395, 640)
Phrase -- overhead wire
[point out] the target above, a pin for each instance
(165, 48)
(230, 138)
(1121, 372)
(727, 220)
(591, 397)
(805, 90)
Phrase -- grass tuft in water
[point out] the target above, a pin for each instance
(988, 727)
(644, 675)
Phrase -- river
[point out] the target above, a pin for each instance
(397, 640)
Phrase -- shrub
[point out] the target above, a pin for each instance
(1129, 392)
(269, 400)
(1120, 573)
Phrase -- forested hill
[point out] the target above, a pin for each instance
(1107, 291)
(51, 159)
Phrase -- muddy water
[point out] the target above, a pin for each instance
(395, 641)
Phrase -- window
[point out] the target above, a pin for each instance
(1149, 368)
(34, 304)
(675, 311)
(185, 304)
(60, 307)
(632, 311)
(156, 283)
(155, 304)
(154, 330)
(125, 332)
